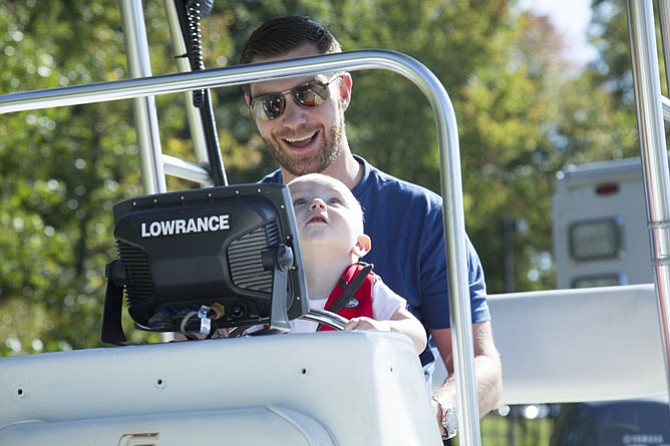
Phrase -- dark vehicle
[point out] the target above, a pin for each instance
(613, 423)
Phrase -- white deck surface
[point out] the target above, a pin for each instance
(345, 388)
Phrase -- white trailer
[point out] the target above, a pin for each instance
(599, 225)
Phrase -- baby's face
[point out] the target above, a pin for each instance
(327, 214)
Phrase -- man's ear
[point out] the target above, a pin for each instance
(247, 99)
(345, 85)
(362, 246)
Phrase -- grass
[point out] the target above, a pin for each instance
(514, 431)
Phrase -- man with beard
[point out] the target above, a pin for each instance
(301, 120)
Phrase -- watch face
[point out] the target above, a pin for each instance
(450, 423)
(449, 419)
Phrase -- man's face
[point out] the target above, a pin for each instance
(302, 139)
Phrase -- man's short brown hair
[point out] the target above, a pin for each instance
(280, 35)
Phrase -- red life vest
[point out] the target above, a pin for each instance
(360, 304)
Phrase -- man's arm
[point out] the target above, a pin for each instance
(488, 370)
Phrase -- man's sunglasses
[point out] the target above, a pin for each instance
(310, 94)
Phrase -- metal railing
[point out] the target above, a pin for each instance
(650, 116)
(450, 170)
(651, 108)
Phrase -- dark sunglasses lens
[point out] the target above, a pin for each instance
(310, 94)
(271, 106)
(268, 107)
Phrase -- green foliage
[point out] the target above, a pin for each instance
(514, 430)
(523, 112)
(62, 169)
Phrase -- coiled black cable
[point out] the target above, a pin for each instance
(195, 45)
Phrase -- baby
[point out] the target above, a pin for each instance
(330, 227)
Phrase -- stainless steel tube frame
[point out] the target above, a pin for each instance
(649, 106)
(450, 168)
(144, 107)
(192, 114)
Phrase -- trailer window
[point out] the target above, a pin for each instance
(596, 239)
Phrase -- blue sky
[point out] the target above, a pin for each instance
(571, 19)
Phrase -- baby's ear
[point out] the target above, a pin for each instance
(362, 246)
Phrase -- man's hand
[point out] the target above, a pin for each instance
(438, 416)
(488, 369)
(447, 421)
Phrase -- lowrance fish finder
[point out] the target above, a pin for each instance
(199, 260)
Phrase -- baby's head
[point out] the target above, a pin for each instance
(328, 215)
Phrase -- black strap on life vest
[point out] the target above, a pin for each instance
(350, 288)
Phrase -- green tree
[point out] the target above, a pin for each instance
(503, 85)
(64, 168)
(612, 71)
(522, 112)
(56, 181)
